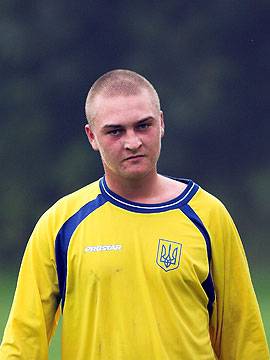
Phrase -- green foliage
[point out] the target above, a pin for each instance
(207, 60)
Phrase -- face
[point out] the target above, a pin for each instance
(127, 131)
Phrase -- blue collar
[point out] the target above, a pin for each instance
(175, 203)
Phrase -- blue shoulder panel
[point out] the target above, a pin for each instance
(207, 285)
(63, 238)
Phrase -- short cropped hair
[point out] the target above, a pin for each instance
(119, 83)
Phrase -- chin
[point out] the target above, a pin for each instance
(135, 175)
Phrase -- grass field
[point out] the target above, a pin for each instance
(7, 287)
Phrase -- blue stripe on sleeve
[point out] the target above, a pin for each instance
(63, 239)
(208, 284)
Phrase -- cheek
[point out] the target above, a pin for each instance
(156, 151)
(108, 152)
(157, 144)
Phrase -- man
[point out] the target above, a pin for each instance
(143, 266)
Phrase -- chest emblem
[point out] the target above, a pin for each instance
(168, 254)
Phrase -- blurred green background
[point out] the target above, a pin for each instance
(209, 61)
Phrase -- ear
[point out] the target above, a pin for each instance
(91, 137)
(162, 124)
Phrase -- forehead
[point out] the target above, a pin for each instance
(123, 108)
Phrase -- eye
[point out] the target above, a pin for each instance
(114, 132)
(144, 126)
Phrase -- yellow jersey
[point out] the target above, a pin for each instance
(135, 281)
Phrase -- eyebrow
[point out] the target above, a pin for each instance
(114, 126)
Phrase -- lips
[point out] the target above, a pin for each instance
(134, 157)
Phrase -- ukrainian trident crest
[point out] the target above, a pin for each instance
(168, 254)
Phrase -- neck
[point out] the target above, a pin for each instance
(134, 189)
(153, 188)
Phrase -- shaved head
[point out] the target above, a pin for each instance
(118, 83)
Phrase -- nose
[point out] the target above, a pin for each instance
(132, 142)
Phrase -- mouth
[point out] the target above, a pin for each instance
(134, 157)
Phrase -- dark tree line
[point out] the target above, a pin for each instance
(210, 64)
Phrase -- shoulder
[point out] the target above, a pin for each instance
(216, 219)
(205, 201)
(78, 198)
(67, 206)
(211, 209)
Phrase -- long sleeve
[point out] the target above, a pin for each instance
(236, 327)
(34, 313)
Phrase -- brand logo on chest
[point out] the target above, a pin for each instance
(168, 254)
(98, 248)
